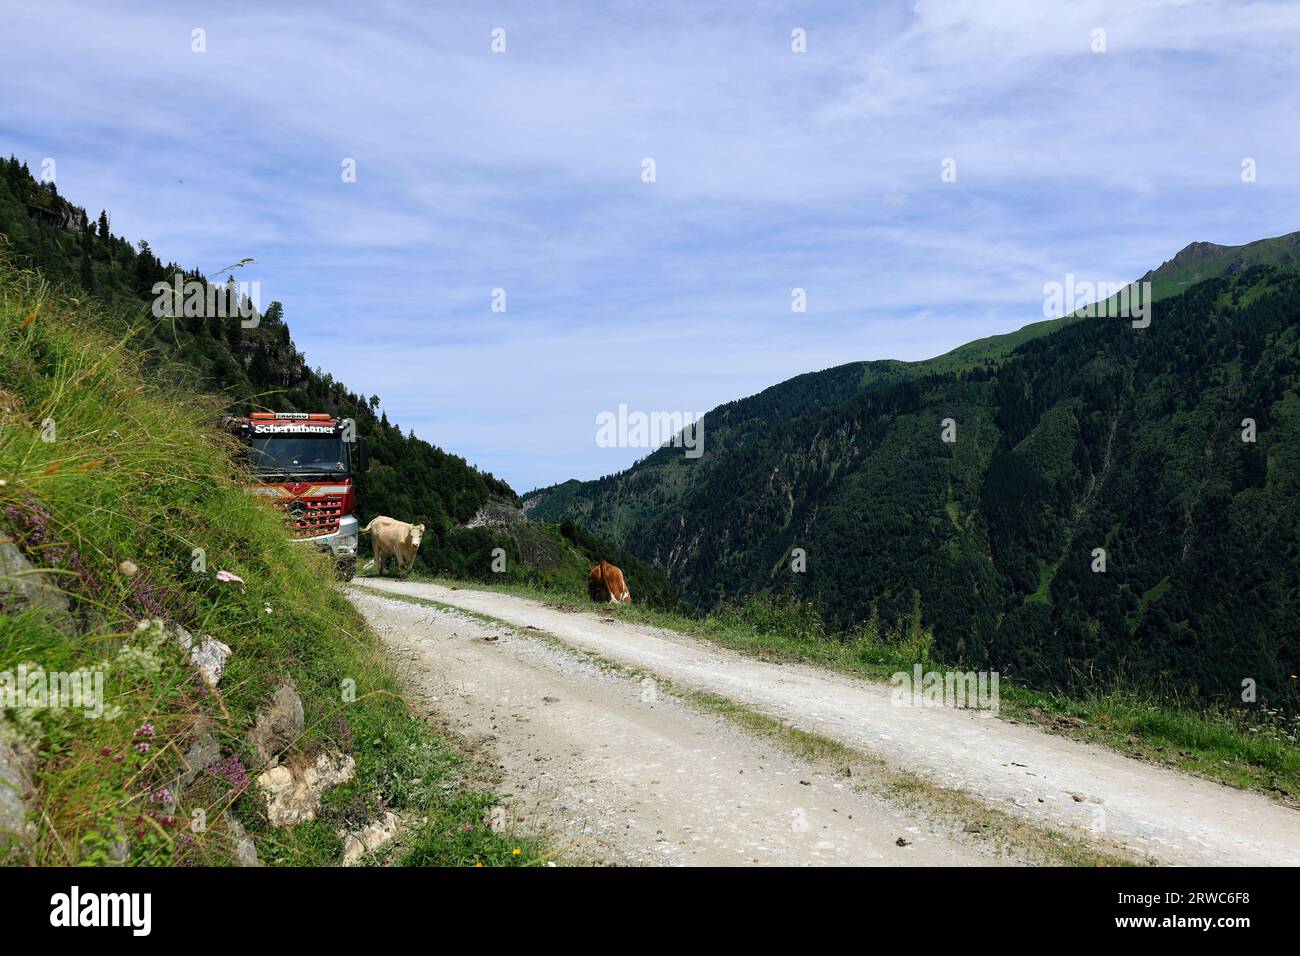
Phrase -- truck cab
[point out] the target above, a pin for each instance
(306, 465)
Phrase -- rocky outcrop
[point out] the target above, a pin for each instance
(293, 790)
(292, 783)
(495, 514)
(369, 838)
(277, 727)
(17, 764)
(23, 585)
(53, 210)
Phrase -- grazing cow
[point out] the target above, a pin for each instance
(605, 584)
(396, 538)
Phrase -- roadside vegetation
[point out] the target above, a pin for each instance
(1255, 750)
(119, 503)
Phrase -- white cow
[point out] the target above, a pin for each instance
(392, 537)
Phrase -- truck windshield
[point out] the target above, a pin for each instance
(299, 453)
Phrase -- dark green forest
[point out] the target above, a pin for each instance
(1093, 435)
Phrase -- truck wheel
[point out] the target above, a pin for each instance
(347, 568)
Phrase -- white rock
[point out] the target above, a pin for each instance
(16, 832)
(293, 791)
(370, 837)
(245, 848)
(210, 658)
(208, 655)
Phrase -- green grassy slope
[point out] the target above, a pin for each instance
(134, 479)
(1194, 263)
(1206, 260)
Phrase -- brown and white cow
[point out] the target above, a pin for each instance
(605, 584)
(388, 536)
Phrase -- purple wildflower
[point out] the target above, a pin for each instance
(231, 770)
(343, 732)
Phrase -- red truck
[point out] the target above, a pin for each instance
(306, 464)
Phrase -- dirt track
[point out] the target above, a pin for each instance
(634, 776)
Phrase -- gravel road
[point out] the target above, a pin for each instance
(639, 777)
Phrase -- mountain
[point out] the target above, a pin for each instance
(794, 398)
(260, 368)
(1205, 260)
(1070, 436)
(257, 368)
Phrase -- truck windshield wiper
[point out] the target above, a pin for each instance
(315, 473)
(287, 474)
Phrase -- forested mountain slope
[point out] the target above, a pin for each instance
(255, 367)
(1098, 435)
(792, 399)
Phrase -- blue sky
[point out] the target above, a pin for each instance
(522, 170)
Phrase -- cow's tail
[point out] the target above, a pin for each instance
(366, 529)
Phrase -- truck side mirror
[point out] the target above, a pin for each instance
(363, 454)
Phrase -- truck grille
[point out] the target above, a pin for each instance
(312, 517)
